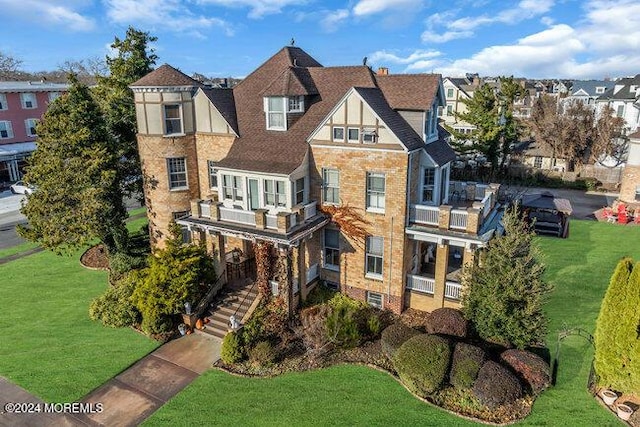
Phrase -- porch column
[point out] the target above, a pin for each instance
(283, 276)
(222, 262)
(442, 263)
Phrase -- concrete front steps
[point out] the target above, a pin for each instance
(235, 301)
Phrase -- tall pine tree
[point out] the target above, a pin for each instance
(75, 168)
(504, 293)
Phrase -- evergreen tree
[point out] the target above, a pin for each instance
(177, 274)
(75, 168)
(617, 357)
(504, 293)
(133, 59)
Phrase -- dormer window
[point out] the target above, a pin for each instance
(296, 104)
(599, 89)
(276, 119)
(172, 119)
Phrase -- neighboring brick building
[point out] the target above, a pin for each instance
(259, 161)
(22, 104)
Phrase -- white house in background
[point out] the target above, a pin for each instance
(588, 91)
(624, 99)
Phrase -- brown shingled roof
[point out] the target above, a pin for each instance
(165, 75)
(409, 91)
(222, 99)
(292, 82)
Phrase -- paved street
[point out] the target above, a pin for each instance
(10, 216)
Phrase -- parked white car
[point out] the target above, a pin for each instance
(22, 187)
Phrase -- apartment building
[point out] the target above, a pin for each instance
(270, 159)
(22, 104)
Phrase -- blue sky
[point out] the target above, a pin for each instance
(574, 39)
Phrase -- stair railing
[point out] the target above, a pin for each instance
(206, 300)
(244, 298)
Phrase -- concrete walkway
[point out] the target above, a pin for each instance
(133, 395)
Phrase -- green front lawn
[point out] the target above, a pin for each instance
(579, 267)
(48, 344)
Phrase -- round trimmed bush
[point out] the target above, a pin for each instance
(394, 336)
(422, 363)
(530, 367)
(465, 365)
(232, 351)
(496, 385)
(447, 321)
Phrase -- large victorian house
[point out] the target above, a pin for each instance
(266, 161)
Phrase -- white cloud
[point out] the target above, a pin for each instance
(334, 19)
(56, 12)
(417, 55)
(463, 27)
(369, 7)
(258, 8)
(171, 14)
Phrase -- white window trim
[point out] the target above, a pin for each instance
(367, 254)
(277, 202)
(27, 127)
(381, 296)
(3, 102)
(325, 265)
(8, 129)
(375, 209)
(164, 120)
(369, 132)
(348, 136)
(235, 179)
(212, 170)
(333, 134)
(52, 96)
(300, 104)
(325, 186)
(169, 174)
(302, 190)
(23, 101)
(433, 186)
(285, 106)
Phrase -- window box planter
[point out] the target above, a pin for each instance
(608, 396)
(624, 411)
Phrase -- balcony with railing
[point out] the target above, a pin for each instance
(469, 205)
(261, 219)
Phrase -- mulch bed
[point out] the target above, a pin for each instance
(96, 258)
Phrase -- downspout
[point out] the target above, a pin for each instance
(390, 261)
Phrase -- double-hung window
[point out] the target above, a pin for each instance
(331, 249)
(232, 188)
(213, 174)
(177, 171)
(450, 93)
(299, 191)
(6, 131)
(375, 191)
(353, 134)
(338, 134)
(331, 186)
(620, 111)
(274, 193)
(28, 100)
(172, 119)
(428, 185)
(276, 115)
(30, 126)
(3, 101)
(374, 257)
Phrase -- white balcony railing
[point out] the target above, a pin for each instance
(423, 214)
(238, 215)
(312, 272)
(458, 219)
(421, 284)
(205, 210)
(271, 221)
(310, 210)
(452, 290)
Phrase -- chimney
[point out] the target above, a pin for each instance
(383, 71)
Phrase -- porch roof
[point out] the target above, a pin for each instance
(292, 238)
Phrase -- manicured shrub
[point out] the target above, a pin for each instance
(114, 308)
(342, 326)
(422, 363)
(496, 385)
(232, 351)
(122, 262)
(617, 356)
(465, 365)
(158, 324)
(447, 321)
(253, 330)
(531, 368)
(374, 324)
(262, 354)
(394, 336)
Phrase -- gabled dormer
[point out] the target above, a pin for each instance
(286, 97)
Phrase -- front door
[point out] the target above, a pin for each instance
(254, 201)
